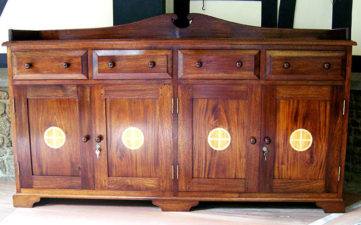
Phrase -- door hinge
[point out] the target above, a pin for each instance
(14, 109)
(18, 168)
(177, 174)
(177, 105)
(339, 174)
(344, 107)
(172, 172)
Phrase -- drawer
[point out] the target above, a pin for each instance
(305, 65)
(218, 64)
(132, 64)
(53, 64)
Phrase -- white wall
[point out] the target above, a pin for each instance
(245, 12)
(54, 14)
(315, 14)
(356, 26)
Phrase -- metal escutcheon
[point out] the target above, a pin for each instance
(97, 150)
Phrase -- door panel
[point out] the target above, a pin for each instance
(215, 125)
(52, 121)
(136, 151)
(303, 155)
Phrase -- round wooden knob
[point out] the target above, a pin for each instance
(66, 65)
(199, 64)
(286, 65)
(239, 64)
(267, 140)
(111, 64)
(27, 65)
(98, 139)
(85, 138)
(151, 64)
(327, 66)
(253, 140)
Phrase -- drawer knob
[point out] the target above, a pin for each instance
(286, 65)
(327, 66)
(267, 140)
(98, 139)
(85, 138)
(151, 64)
(199, 64)
(27, 65)
(239, 64)
(111, 64)
(253, 140)
(66, 65)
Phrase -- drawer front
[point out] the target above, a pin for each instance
(305, 65)
(218, 64)
(30, 65)
(132, 64)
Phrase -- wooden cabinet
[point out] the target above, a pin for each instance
(214, 112)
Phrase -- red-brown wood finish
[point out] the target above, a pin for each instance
(176, 85)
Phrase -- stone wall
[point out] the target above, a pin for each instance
(6, 152)
(353, 153)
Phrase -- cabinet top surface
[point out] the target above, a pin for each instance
(202, 27)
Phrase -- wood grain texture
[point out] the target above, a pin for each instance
(305, 65)
(175, 205)
(332, 207)
(218, 64)
(49, 65)
(132, 64)
(25, 201)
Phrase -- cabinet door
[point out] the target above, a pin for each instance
(48, 126)
(304, 125)
(218, 148)
(135, 125)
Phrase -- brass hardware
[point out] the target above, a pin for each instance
(172, 172)
(151, 64)
(97, 150)
(199, 64)
(177, 172)
(286, 65)
(239, 64)
(111, 64)
(85, 138)
(265, 152)
(253, 140)
(66, 65)
(344, 107)
(267, 140)
(98, 139)
(27, 65)
(327, 66)
(177, 105)
(339, 174)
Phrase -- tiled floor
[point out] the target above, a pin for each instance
(143, 212)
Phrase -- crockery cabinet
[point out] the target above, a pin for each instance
(217, 111)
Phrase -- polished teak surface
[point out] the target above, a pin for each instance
(217, 111)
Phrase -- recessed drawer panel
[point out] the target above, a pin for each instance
(29, 65)
(305, 65)
(218, 64)
(132, 64)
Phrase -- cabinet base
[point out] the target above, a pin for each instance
(332, 207)
(175, 205)
(25, 201)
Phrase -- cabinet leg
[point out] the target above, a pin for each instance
(175, 205)
(332, 207)
(25, 201)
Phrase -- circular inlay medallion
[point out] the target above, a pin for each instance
(54, 137)
(219, 139)
(133, 138)
(301, 140)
